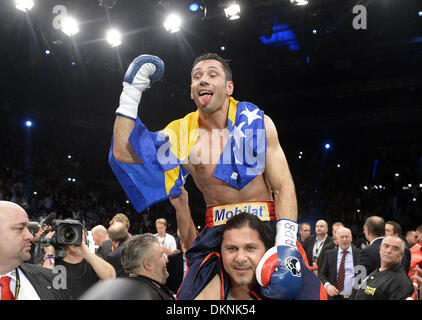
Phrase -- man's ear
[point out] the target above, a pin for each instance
(147, 264)
(230, 87)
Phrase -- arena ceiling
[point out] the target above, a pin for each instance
(317, 71)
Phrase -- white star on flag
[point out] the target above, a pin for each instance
(251, 115)
(237, 133)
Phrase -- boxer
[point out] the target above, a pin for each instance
(265, 188)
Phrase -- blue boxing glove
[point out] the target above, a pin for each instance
(144, 70)
(278, 272)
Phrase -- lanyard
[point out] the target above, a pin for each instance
(18, 284)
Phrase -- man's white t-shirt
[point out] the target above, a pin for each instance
(168, 241)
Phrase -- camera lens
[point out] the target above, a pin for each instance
(68, 234)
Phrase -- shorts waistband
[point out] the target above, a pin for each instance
(219, 215)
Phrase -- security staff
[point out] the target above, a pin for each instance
(389, 281)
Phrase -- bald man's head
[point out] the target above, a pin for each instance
(117, 232)
(99, 234)
(321, 228)
(15, 237)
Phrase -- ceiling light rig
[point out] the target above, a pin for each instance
(173, 23)
(232, 11)
(24, 5)
(299, 2)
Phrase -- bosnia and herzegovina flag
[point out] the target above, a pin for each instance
(163, 153)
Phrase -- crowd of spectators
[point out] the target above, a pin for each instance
(66, 171)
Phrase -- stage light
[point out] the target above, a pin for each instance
(28, 123)
(198, 11)
(24, 5)
(365, 187)
(114, 37)
(69, 156)
(409, 185)
(299, 2)
(223, 48)
(73, 63)
(314, 31)
(70, 26)
(47, 52)
(397, 175)
(414, 199)
(194, 7)
(327, 146)
(173, 23)
(420, 13)
(232, 11)
(339, 165)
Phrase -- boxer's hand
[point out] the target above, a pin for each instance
(144, 70)
(278, 273)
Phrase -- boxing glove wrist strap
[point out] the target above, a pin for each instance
(286, 233)
(129, 101)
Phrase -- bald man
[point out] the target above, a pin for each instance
(338, 280)
(19, 280)
(118, 234)
(314, 243)
(374, 231)
(100, 236)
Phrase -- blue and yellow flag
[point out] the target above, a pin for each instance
(163, 153)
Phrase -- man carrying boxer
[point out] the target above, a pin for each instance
(208, 144)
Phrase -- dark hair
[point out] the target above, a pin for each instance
(243, 220)
(396, 227)
(214, 56)
(375, 226)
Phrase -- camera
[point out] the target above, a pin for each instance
(34, 227)
(67, 232)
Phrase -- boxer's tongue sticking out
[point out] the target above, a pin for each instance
(205, 97)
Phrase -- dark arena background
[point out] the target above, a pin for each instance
(343, 88)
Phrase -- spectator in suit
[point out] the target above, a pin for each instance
(19, 280)
(118, 234)
(374, 230)
(388, 281)
(329, 245)
(337, 273)
(314, 244)
(119, 217)
(392, 228)
(100, 235)
(304, 232)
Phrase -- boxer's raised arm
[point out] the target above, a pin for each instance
(144, 70)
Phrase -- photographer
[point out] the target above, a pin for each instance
(83, 268)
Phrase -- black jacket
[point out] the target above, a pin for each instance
(42, 281)
(114, 258)
(105, 249)
(309, 245)
(370, 256)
